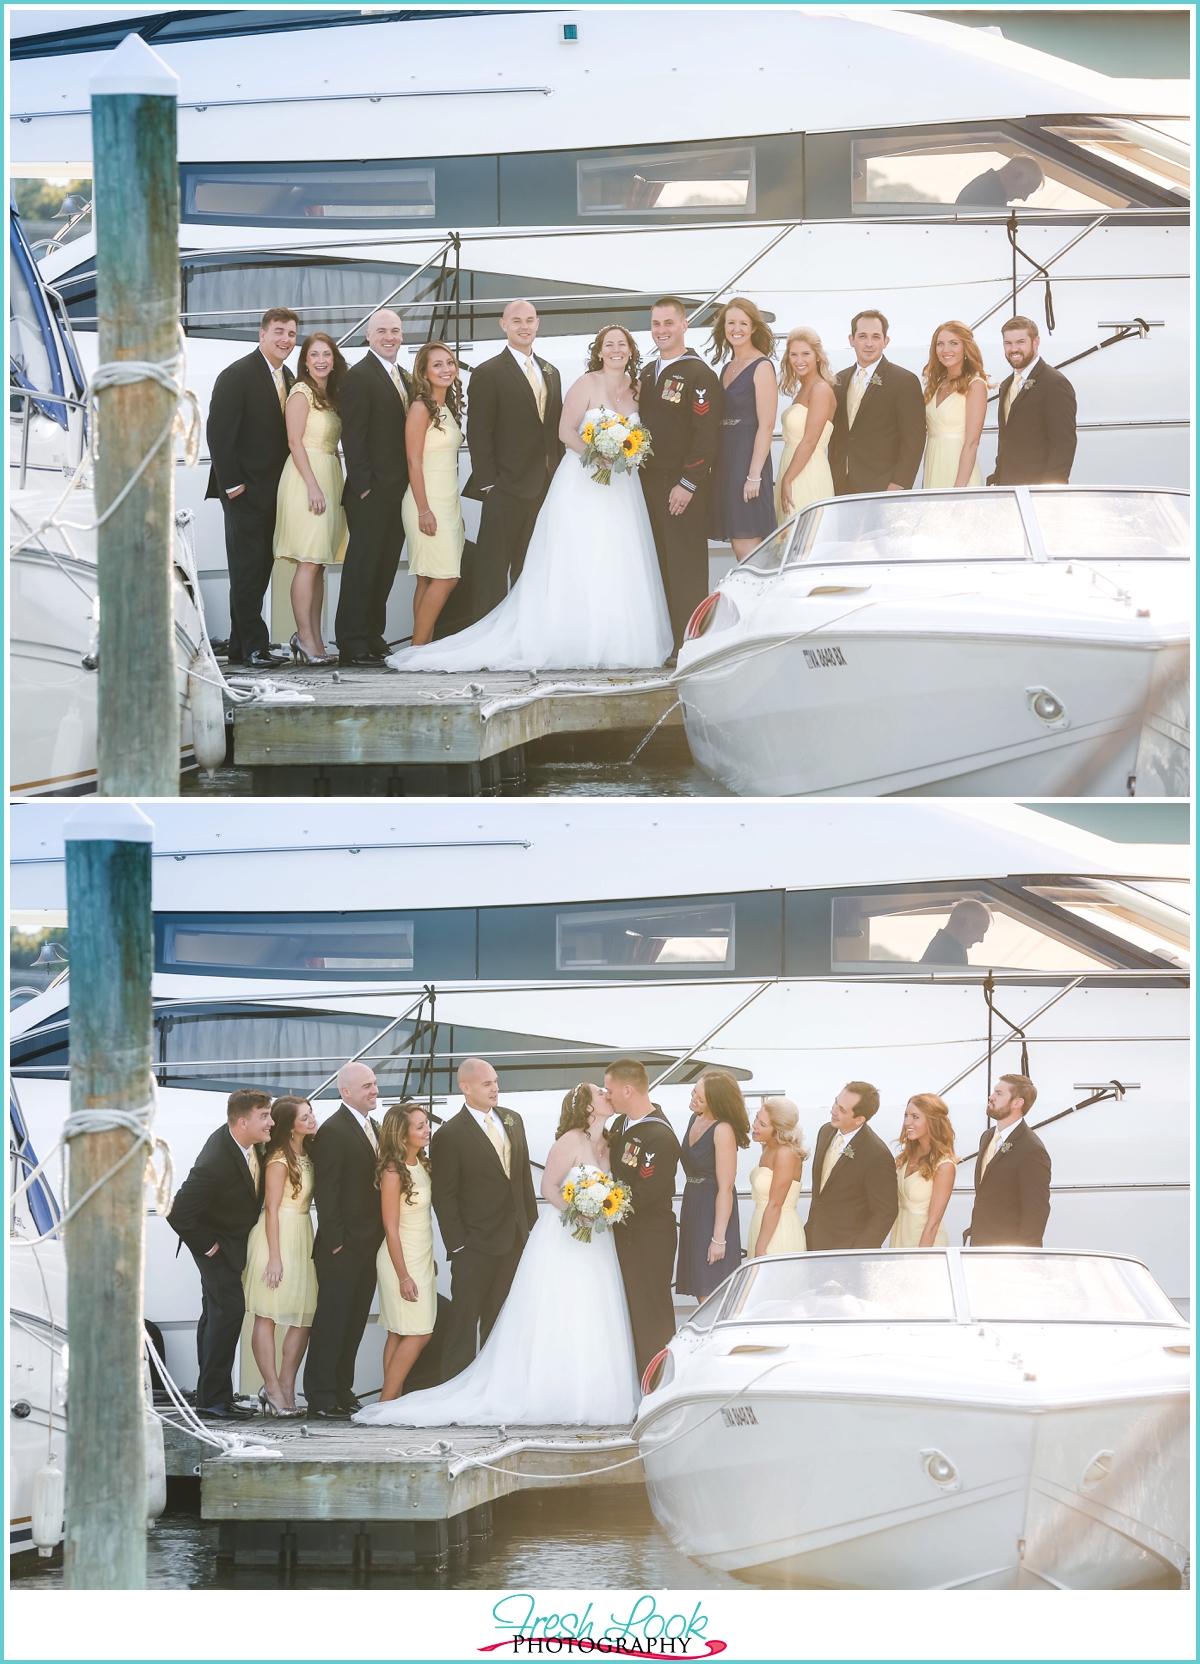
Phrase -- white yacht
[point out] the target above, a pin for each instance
(787, 946)
(972, 1418)
(811, 157)
(1014, 639)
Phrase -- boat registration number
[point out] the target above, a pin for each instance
(822, 658)
(739, 1415)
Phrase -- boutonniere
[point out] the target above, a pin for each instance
(848, 1152)
(875, 381)
(1005, 1147)
(508, 1121)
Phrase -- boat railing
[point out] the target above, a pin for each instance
(31, 398)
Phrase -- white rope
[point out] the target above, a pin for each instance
(86, 1121)
(228, 1443)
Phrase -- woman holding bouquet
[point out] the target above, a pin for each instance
(590, 595)
(561, 1350)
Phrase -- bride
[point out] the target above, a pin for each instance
(590, 596)
(562, 1348)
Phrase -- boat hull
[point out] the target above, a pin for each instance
(830, 1491)
(928, 713)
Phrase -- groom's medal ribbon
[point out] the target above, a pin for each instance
(672, 390)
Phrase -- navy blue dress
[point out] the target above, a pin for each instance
(697, 1222)
(731, 517)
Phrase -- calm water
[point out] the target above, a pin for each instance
(602, 1537)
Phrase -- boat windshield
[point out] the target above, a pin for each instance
(1062, 1288)
(862, 1288)
(1154, 922)
(959, 526)
(1114, 525)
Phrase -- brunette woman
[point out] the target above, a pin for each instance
(310, 525)
(404, 1265)
(710, 1242)
(744, 499)
(432, 508)
(279, 1280)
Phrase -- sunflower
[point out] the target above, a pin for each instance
(568, 1192)
(589, 432)
(609, 1203)
(633, 444)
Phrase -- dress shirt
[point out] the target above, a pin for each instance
(250, 1154)
(998, 1138)
(859, 382)
(394, 375)
(1020, 377)
(527, 364)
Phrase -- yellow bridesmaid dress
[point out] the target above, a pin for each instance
(410, 1317)
(439, 556)
(815, 480)
(293, 1303)
(789, 1233)
(299, 534)
(946, 431)
(915, 1193)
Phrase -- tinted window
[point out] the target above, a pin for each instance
(1114, 525)
(458, 189)
(1062, 1288)
(717, 181)
(361, 947)
(770, 555)
(899, 527)
(828, 1289)
(647, 938)
(970, 171)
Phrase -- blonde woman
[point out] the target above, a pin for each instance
(925, 1170)
(280, 1282)
(804, 473)
(775, 1182)
(432, 510)
(956, 391)
(404, 1265)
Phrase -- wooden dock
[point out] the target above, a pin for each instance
(333, 1494)
(456, 733)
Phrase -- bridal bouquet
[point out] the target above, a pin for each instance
(614, 445)
(595, 1201)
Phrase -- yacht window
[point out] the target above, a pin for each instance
(953, 926)
(973, 171)
(960, 526)
(1155, 926)
(770, 556)
(1114, 525)
(669, 182)
(1159, 157)
(647, 938)
(373, 193)
(1062, 1288)
(860, 1289)
(360, 946)
(37, 952)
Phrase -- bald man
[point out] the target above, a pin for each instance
(968, 924)
(513, 413)
(349, 1231)
(485, 1204)
(374, 403)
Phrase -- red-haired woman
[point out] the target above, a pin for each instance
(925, 1171)
(956, 392)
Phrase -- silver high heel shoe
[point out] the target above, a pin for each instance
(270, 1408)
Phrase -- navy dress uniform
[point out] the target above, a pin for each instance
(645, 1155)
(680, 404)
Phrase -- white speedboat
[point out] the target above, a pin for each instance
(53, 623)
(37, 1378)
(1009, 640)
(917, 1419)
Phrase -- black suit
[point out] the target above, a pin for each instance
(1037, 436)
(885, 444)
(485, 1217)
(1012, 1198)
(216, 1205)
(645, 1155)
(373, 416)
(858, 1206)
(349, 1231)
(681, 407)
(247, 441)
(514, 451)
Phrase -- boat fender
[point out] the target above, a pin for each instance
(208, 712)
(49, 1490)
(156, 1469)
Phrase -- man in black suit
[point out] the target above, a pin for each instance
(513, 416)
(349, 1231)
(1012, 1173)
(879, 421)
(1016, 181)
(212, 1214)
(486, 1206)
(680, 403)
(855, 1200)
(247, 441)
(645, 1154)
(1037, 414)
(374, 400)
(968, 924)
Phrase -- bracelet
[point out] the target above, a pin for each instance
(750, 480)
(716, 1242)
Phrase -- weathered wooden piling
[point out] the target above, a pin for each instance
(136, 206)
(108, 903)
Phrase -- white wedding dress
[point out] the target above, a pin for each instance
(561, 1350)
(589, 597)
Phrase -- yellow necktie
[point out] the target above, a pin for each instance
(831, 1157)
(1017, 383)
(539, 387)
(398, 383)
(492, 1127)
(253, 1165)
(370, 1132)
(280, 389)
(854, 397)
(987, 1156)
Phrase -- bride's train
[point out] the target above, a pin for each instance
(561, 1350)
(589, 598)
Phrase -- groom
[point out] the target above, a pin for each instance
(645, 1153)
(486, 1206)
(512, 433)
